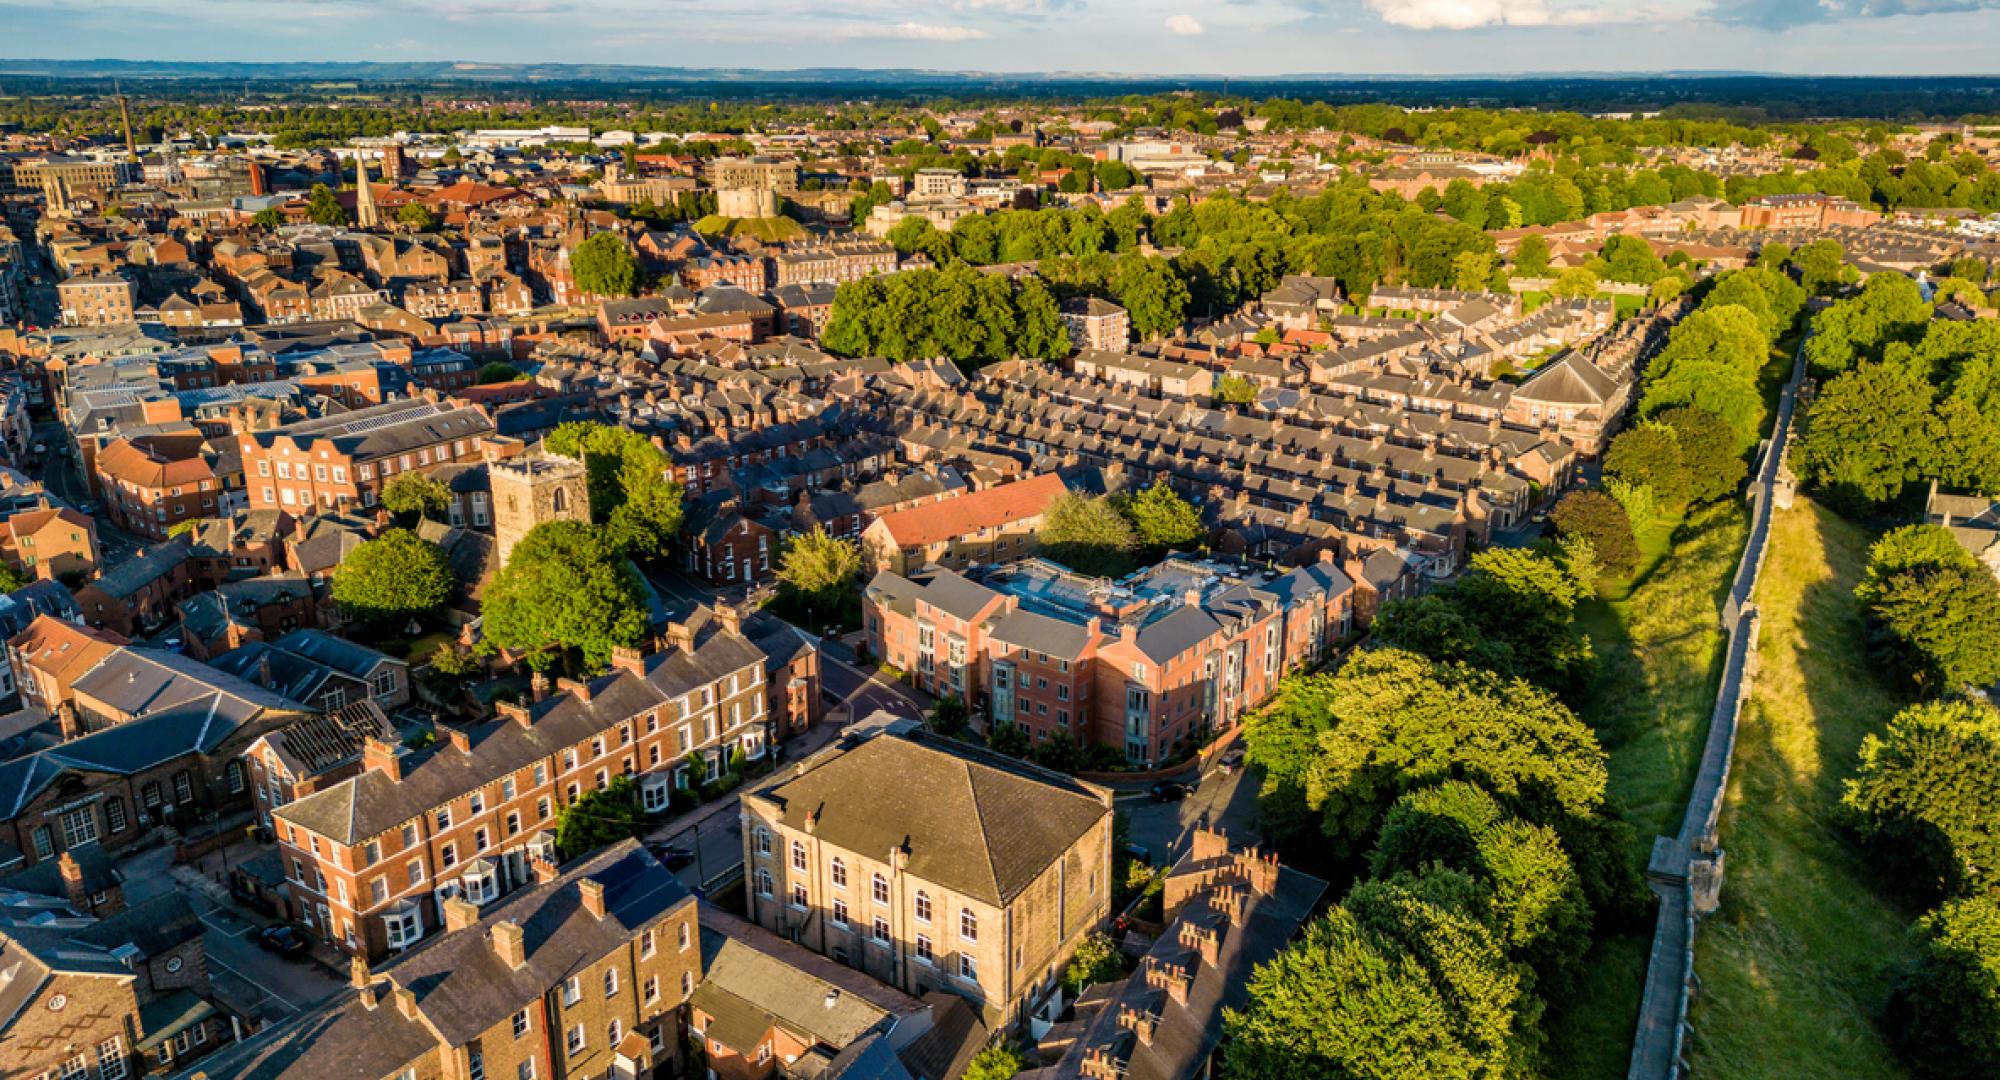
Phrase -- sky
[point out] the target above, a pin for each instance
(1167, 37)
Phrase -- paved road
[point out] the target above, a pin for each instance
(259, 981)
(63, 476)
(1165, 830)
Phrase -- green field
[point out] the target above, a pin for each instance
(1792, 966)
(1659, 644)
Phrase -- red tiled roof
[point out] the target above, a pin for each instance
(992, 508)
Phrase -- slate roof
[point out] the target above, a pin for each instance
(974, 822)
(754, 980)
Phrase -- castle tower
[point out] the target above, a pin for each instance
(530, 491)
(365, 214)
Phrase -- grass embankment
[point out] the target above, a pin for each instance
(768, 230)
(1792, 966)
(1659, 646)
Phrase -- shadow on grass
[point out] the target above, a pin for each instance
(1793, 966)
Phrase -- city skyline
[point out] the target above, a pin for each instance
(1240, 38)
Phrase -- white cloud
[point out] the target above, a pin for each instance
(1184, 26)
(922, 32)
(1470, 14)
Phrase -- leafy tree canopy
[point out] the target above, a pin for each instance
(395, 575)
(1927, 792)
(565, 587)
(631, 494)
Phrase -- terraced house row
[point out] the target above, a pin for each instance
(374, 860)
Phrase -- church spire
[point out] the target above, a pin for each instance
(365, 214)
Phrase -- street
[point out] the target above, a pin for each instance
(1226, 801)
(62, 475)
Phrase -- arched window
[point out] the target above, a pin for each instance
(839, 874)
(763, 882)
(798, 855)
(881, 889)
(923, 906)
(561, 501)
(968, 924)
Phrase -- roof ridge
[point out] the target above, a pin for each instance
(985, 841)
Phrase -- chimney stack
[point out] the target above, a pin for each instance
(357, 972)
(1138, 1023)
(1169, 977)
(592, 892)
(510, 943)
(628, 659)
(459, 913)
(379, 754)
(461, 740)
(72, 879)
(544, 870)
(538, 686)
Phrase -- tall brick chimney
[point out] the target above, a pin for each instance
(592, 892)
(379, 754)
(459, 913)
(72, 879)
(510, 943)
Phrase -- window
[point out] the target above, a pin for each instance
(575, 1042)
(611, 982)
(410, 835)
(924, 952)
(763, 841)
(840, 913)
(968, 925)
(880, 889)
(572, 990)
(648, 945)
(475, 1064)
(78, 1067)
(378, 890)
(614, 1031)
(968, 968)
(444, 818)
(923, 906)
(839, 873)
(798, 855)
(799, 897)
(687, 983)
(522, 1023)
(764, 883)
(476, 803)
(526, 1070)
(880, 931)
(234, 775)
(149, 796)
(652, 989)
(687, 939)
(114, 814)
(79, 827)
(416, 872)
(448, 856)
(45, 842)
(111, 1059)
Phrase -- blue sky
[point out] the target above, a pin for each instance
(1235, 37)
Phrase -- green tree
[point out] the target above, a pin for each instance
(1531, 257)
(1152, 294)
(1889, 309)
(1405, 722)
(632, 493)
(1865, 434)
(323, 207)
(565, 587)
(11, 578)
(1041, 334)
(1096, 960)
(1577, 282)
(994, 1063)
(1512, 613)
(948, 715)
(603, 266)
(417, 216)
(1235, 390)
(414, 495)
(1649, 455)
(1009, 739)
(1598, 518)
(1934, 612)
(1944, 1012)
(1389, 984)
(395, 575)
(497, 372)
(268, 218)
(1708, 449)
(1163, 520)
(600, 817)
(1088, 535)
(1927, 793)
(819, 568)
(1821, 265)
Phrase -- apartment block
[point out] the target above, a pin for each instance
(343, 461)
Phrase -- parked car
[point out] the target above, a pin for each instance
(1139, 854)
(1169, 791)
(282, 940)
(673, 856)
(1232, 760)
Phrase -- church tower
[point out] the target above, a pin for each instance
(365, 214)
(530, 491)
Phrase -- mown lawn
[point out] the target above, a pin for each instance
(1658, 642)
(1792, 966)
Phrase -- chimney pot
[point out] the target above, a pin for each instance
(592, 892)
(357, 971)
(510, 942)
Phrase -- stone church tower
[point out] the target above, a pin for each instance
(530, 491)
